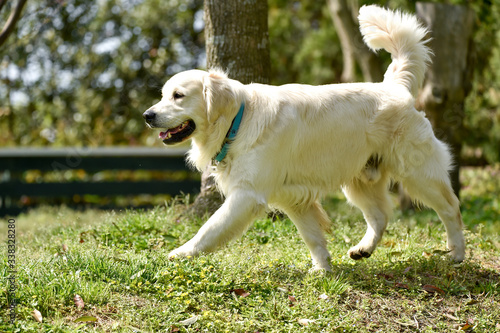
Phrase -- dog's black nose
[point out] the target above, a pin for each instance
(149, 115)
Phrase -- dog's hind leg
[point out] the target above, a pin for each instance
(425, 177)
(437, 194)
(373, 200)
(312, 221)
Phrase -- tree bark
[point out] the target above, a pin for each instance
(449, 78)
(354, 50)
(237, 41)
(8, 28)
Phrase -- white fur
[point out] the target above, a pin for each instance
(298, 142)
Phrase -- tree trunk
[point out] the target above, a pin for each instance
(8, 28)
(354, 50)
(449, 78)
(237, 41)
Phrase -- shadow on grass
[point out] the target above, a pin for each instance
(412, 275)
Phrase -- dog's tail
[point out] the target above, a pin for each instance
(401, 35)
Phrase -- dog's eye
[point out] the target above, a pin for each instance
(178, 95)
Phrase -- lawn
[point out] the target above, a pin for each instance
(116, 262)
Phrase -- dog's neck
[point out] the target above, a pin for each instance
(212, 150)
(231, 134)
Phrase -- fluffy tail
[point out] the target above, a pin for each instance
(403, 37)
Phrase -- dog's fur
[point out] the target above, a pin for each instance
(298, 142)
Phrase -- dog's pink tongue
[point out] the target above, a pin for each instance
(163, 135)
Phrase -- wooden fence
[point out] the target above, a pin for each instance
(16, 161)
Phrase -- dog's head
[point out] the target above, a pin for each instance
(191, 102)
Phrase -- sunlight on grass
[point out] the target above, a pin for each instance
(117, 262)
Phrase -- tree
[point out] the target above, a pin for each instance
(449, 78)
(81, 72)
(8, 28)
(237, 41)
(354, 50)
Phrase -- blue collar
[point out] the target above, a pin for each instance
(231, 134)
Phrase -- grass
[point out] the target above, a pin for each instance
(116, 262)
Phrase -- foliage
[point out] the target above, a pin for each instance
(482, 113)
(82, 72)
(117, 262)
(304, 46)
(482, 192)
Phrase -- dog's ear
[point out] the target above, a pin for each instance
(219, 95)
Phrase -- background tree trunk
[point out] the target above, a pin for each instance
(449, 78)
(15, 14)
(354, 50)
(237, 41)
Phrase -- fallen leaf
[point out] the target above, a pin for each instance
(451, 317)
(137, 275)
(401, 285)
(85, 319)
(305, 322)
(174, 329)
(283, 290)
(65, 248)
(189, 321)
(292, 299)
(240, 292)
(431, 276)
(466, 327)
(472, 302)
(37, 315)
(432, 289)
(389, 243)
(407, 269)
(323, 296)
(427, 254)
(441, 252)
(386, 276)
(78, 301)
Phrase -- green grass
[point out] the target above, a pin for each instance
(116, 261)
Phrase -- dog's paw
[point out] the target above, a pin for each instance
(320, 269)
(457, 255)
(183, 251)
(357, 253)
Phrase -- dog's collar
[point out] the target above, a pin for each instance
(231, 134)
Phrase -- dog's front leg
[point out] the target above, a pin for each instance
(228, 222)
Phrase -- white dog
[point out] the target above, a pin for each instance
(286, 147)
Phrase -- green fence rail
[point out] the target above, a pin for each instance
(14, 162)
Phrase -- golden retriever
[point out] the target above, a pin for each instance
(292, 144)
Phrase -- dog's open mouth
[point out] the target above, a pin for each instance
(179, 133)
